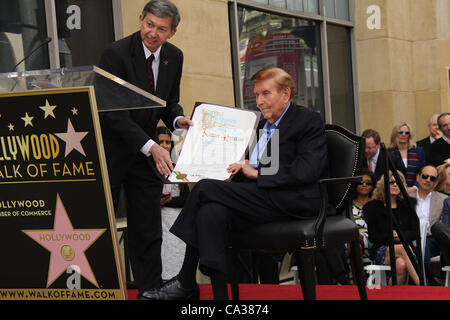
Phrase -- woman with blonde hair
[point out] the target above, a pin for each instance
(443, 178)
(407, 157)
(376, 216)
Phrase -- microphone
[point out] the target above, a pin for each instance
(44, 42)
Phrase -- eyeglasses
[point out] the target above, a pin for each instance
(403, 132)
(366, 182)
(426, 176)
(391, 182)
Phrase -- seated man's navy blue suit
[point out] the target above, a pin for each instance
(214, 207)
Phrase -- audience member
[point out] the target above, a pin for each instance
(361, 195)
(435, 134)
(404, 154)
(443, 185)
(429, 210)
(377, 217)
(172, 201)
(374, 161)
(440, 149)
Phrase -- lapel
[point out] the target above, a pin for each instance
(139, 62)
(284, 124)
(400, 162)
(435, 208)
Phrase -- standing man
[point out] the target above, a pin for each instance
(285, 187)
(440, 149)
(435, 134)
(374, 161)
(134, 159)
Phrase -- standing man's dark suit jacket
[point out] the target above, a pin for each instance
(124, 134)
(127, 131)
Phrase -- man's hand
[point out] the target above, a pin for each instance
(184, 123)
(162, 159)
(245, 167)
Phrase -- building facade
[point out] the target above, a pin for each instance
(360, 63)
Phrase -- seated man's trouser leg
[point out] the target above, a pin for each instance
(215, 207)
(441, 234)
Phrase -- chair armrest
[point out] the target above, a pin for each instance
(323, 183)
(340, 180)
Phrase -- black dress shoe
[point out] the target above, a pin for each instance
(435, 281)
(171, 290)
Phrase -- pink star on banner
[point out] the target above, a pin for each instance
(67, 245)
(72, 139)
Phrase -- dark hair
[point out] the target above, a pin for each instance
(440, 116)
(370, 133)
(163, 9)
(373, 178)
(427, 165)
(164, 130)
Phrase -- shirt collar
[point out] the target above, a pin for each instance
(428, 197)
(446, 139)
(148, 52)
(269, 126)
(375, 157)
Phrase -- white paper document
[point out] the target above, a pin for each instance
(219, 137)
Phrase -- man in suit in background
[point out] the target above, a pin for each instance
(134, 159)
(440, 149)
(429, 209)
(435, 134)
(281, 186)
(374, 161)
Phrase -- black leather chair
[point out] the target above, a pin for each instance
(303, 237)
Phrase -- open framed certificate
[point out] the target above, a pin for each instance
(220, 136)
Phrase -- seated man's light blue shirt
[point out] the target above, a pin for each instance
(264, 139)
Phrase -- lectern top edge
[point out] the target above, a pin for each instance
(112, 93)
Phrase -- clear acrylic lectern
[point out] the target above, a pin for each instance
(112, 93)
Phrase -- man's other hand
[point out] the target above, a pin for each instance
(162, 159)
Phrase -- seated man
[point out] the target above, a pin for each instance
(429, 209)
(285, 187)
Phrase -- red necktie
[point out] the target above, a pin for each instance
(151, 78)
(370, 165)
